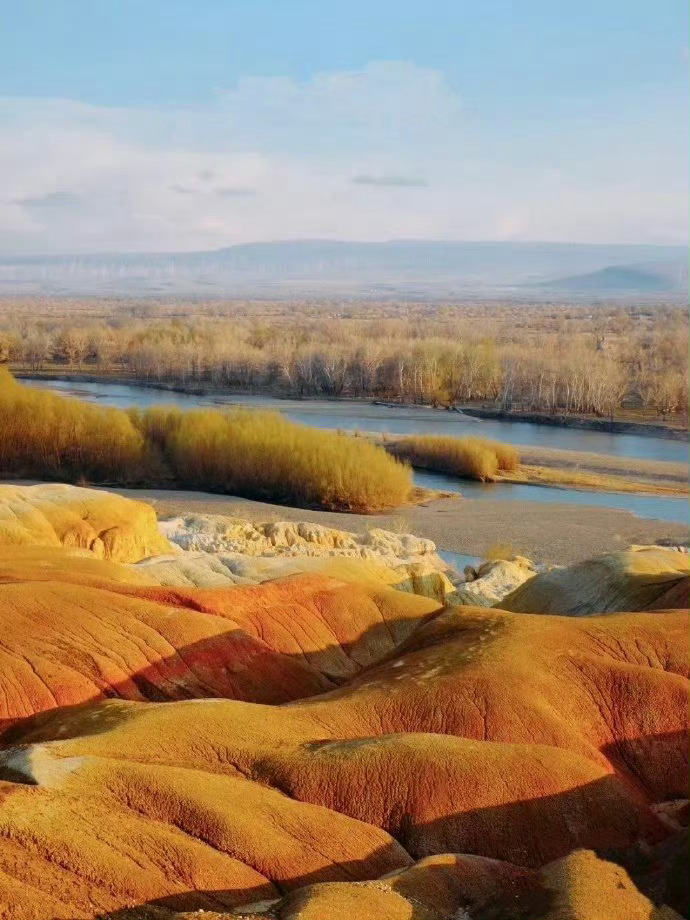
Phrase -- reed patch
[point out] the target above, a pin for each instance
(470, 457)
(251, 454)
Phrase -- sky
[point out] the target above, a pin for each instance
(162, 125)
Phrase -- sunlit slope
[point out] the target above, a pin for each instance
(324, 744)
(641, 578)
(459, 742)
(581, 886)
(76, 629)
(110, 526)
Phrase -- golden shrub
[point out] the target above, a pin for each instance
(252, 454)
(43, 435)
(471, 458)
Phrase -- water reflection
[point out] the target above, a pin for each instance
(459, 560)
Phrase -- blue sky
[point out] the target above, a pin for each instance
(190, 125)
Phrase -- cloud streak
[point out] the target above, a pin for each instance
(389, 181)
(58, 199)
(235, 192)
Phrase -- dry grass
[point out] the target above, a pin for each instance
(252, 454)
(586, 462)
(471, 458)
(262, 455)
(597, 482)
(508, 456)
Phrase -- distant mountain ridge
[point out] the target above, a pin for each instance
(643, 279)
(396, 268)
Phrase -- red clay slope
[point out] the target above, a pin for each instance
(74, 630)
(503, 735)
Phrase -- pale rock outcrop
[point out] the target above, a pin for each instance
(108, 525)
(492, 581)
(213, 533)
(423, 576)
(210, 550)
(219, 551)
(639, 578)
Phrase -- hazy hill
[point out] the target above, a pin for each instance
(639, 279)
(397, 268)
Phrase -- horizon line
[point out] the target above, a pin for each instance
(337, 240)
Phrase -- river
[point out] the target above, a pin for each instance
(351, 415)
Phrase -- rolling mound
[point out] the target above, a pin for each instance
(452, 886)
(110, 526)
(462, 743)
(641, 578)
(78, 628)
(326, 747)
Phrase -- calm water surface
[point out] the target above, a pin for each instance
(658, 507)
(459, 560)
(353, 416)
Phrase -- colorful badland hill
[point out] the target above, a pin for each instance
(325, 746)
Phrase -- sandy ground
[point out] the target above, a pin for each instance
(553, 532)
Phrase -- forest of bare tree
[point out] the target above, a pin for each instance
(557, 359)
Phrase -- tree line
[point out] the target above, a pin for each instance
(587, 360)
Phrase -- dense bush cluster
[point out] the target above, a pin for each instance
(45, 436)
(471, 458)
(253, 454)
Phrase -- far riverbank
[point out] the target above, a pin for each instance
(671, 430)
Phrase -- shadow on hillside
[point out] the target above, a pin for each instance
(656, 763)
(233, 665)
(237, 666)
(530, 832)
(490, 891)
(240, 666)
(309, 593)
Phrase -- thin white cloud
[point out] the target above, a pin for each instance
(235, 192)
(276, 158)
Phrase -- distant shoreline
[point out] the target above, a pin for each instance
(615, 426)
(648, 429)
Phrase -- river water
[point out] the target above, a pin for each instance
(351, 415)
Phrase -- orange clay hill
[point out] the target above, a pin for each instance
(325, 750)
